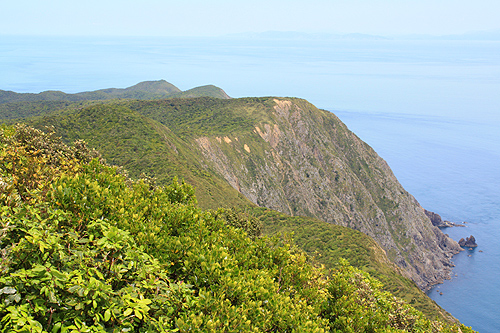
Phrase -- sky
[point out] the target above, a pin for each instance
(220, 17)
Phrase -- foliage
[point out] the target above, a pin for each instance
(327, 243)
(94, 251)
(242, 220)
(194, 117)
(357, 304)
(142, 146)
(126, 135)
(9, 111)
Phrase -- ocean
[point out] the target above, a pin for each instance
(430, 108)
(449, 168)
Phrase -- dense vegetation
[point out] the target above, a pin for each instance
(134, 134)
(85, 249)
(328, 242)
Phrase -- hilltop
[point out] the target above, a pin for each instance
(143, 90)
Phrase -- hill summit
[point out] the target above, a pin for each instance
(146, 90)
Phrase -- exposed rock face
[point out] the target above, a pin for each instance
(467, 242)
(304, 161)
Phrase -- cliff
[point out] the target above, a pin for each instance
(303, 161)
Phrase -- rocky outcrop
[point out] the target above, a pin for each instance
(467, 242)
(304, 161)
(437, 221)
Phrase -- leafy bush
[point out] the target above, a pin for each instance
(358, 304)
(86, 249)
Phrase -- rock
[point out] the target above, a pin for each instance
(452, 224)
(436, 219)
(468, 242)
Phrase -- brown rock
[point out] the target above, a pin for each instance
(468, 242)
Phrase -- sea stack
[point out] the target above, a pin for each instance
(468, 242)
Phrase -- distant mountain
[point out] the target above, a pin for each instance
(203, 91)
(294, 35)
(145, 90)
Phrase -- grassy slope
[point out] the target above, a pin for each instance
(142, 146)
(203, 91)
(159, 142)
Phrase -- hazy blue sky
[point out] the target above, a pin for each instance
(218, 17)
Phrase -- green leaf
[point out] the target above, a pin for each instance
(57, 274)
(107, 315)
(52, 297)
(138, 314)
(56, 327)
(128, 312)
(73, 288)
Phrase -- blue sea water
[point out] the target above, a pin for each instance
(452, 168)
(430, 108)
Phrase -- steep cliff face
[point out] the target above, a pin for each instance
(303, 161)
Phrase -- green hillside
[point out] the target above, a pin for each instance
(282, 161)
(203, 91)
(287, 155)
(142, 146)
(160, 142)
